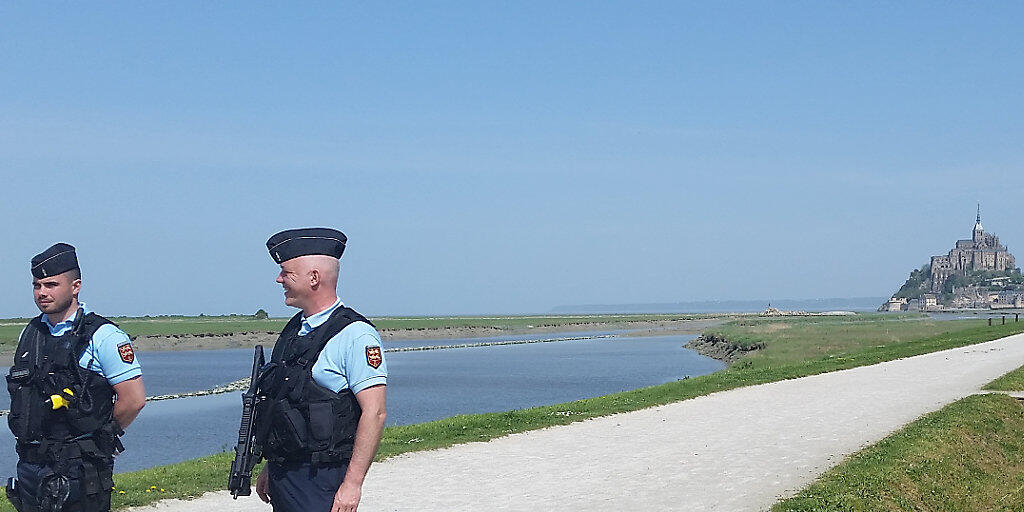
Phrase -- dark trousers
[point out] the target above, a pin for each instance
(30, 476)
(301, 487)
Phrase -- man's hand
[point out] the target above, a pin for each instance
(371, 423)
(263, 485)
(347, 498)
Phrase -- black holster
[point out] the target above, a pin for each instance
(13, 497)
(53, 493)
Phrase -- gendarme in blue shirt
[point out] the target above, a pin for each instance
(101, 355)
(342, 364)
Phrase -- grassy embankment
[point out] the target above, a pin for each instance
(178, 325)
(1013, 381)
(851, 342)
(966, 457)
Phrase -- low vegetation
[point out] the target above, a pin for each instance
(917, 284)
(1013, 381)
(789, 340)
(966, 457)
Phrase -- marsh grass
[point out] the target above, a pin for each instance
(179, 325)
(791, 340)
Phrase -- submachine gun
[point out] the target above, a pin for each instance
(248, 452)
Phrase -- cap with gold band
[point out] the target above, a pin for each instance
(293, 243)
(59, 258)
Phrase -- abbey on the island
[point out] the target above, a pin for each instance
(976, 273)
(982, 252)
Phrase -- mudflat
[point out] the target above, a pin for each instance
(396, 336)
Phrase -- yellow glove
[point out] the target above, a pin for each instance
(58, 401)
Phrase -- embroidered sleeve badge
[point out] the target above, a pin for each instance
(374, 357)
(127, 353)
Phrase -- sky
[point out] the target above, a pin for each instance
(504, 157)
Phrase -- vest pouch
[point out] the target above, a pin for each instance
(289, 427)
(83, 414)
(321, 423)
(27, 407)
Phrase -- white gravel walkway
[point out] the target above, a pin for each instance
(738, 450)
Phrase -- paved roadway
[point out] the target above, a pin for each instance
(738, 450)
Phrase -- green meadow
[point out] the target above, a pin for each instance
(792, 340)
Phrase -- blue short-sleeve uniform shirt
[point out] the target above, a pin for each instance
(348, 359)
(103, 354)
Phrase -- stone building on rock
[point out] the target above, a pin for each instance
(982, 252)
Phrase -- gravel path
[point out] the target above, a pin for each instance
(738, 450)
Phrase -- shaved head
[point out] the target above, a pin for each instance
(327, 266)
(310, 282)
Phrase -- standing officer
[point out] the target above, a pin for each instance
(70, 365)
(322, 412)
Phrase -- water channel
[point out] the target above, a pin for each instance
(422, 386)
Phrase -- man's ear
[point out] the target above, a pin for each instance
(76, 286)
(314, 278)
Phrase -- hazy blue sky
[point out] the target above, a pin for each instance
(489, 157)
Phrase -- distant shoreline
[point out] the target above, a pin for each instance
(394, 337)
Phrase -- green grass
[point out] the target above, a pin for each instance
(177, 325)
(10, 329)
(1013, 381)
(966, 457)
(521, 322)
(795, 339)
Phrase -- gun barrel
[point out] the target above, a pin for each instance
(246, 451)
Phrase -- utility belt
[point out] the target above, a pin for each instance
(315, 458)
(86, 461)
(52, 453)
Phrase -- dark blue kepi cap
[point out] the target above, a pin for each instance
(303, 242)
(59, 258)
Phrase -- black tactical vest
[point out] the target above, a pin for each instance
(299, 420)
(45, 367)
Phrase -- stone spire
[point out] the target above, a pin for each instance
(977, 223)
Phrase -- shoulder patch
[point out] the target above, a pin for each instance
(126, 352)
(374, 357)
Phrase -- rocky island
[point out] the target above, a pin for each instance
(979, 273)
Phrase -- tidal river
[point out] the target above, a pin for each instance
(422, 386)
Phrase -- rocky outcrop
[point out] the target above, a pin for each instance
(716, 347)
